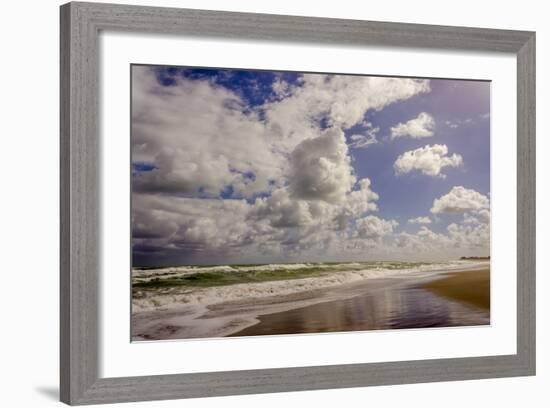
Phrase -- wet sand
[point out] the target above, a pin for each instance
(453, 299)
(472, 287)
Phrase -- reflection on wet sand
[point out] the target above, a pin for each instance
(393, 307)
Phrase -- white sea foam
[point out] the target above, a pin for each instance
(145, 275)
(180, 270)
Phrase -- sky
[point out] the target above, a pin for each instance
(240, 166)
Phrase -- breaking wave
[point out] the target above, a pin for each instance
(320, 276)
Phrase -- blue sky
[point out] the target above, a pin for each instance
(448, 101)
(280, 156)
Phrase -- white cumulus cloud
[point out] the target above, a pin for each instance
(460, 200)
(428, 160)
(199, 139)
(421, 126)
(321, 168)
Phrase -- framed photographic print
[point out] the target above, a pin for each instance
(324, 190)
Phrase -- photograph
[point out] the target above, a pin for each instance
(268, 202)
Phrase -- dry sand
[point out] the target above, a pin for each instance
(471, 287)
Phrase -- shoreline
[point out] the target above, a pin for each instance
(288, 322)
(229, 318)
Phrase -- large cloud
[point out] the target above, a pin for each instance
(185, 230)
(282, 210)
(460, 200)
(429, 160)
(341, 100)
(199, 138)
(321, 168)
(421, 126)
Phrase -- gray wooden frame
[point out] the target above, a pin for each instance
(80, 158)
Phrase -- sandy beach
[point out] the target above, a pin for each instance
(457, 296)
(472, 287)
(457, 299)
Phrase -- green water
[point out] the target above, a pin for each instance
(256, 273)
